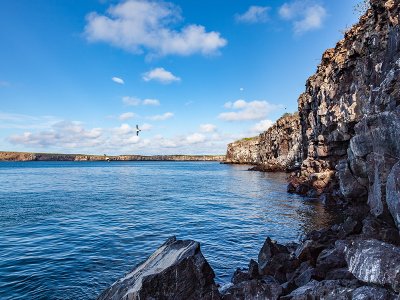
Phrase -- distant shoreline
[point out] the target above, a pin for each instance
(28, 156)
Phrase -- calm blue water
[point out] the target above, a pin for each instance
(69, 229)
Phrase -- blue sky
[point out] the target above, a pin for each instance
(77, 76)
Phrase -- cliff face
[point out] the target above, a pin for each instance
(273, 150)
(349, 112)
(279, 146)
(243, 152)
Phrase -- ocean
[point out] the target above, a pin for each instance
(70, 229)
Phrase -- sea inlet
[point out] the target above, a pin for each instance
(70, 229)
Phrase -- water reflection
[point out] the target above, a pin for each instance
(70, 229)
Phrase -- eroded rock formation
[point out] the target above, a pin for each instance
(276, 149)
(349, 116)
(244, 151)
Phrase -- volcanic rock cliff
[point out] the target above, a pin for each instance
(273, 150)
(350, 115)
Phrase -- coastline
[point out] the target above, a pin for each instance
(28, 156)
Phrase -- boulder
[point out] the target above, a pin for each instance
(393, 193)
(326, 289)
(176, 270)
(253, 290)
(373, 261)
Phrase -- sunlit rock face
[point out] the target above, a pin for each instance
(349, 113)
(176, 270)
(376, 262)
(244, 151)
(279, 146)
(276, 149)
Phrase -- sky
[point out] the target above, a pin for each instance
(76, 76)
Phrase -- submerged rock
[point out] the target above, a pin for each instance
(176, 270)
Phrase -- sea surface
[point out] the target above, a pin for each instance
(70, 229)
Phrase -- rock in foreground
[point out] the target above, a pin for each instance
(176, 270)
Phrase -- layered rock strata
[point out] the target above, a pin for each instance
(349, 112)
(244, 151)
(276, 149)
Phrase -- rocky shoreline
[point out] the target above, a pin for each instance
(25, 156)
(345, 144)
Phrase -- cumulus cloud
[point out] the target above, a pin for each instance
(163, 117)
(131, 101)
(151, 102)
(195, 138)
(208, 128)
(305, 15)
(63, 134)
(145, 25)
(161, 75)
(20, 121)
(118, 80)
(262, 126)
(245, 111)
(126, 116)
(134, 101)
(255, 14)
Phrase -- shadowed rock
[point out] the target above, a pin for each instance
(176, 270)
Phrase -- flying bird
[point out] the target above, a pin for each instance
(137, 130)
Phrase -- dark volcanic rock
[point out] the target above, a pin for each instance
(393, 193)
(239, 276)
(374, 262)
(253, 290)
(177, 270)
(327, 289)
(269, 250)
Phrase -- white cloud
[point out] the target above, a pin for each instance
(151, 102)
(262, 126)
(64, 134)
(195, 138)
(207, 128)
(255, 14)
(139, 25)
(131, 101)
(134, 101)
(161, 75)
(146, 127)
(118, 80)
(245, 111)
(163, 117)
(305, 15)
(127, 116)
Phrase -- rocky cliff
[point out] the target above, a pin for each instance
(350, 116)
(244, 151)
(24, 156)
(279, 146)
(273, 150)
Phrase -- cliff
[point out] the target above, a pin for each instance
(279, 146)
(276, 149)
(24, 156)
(244, 151)
(350, 113)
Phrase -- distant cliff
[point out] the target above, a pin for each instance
(24, 156)
(276, 149)
(244, 151)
